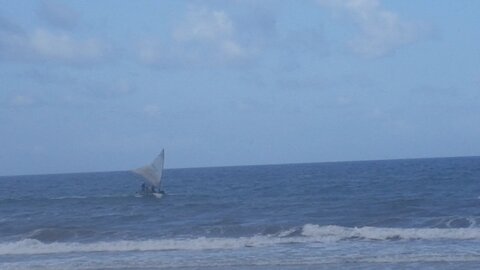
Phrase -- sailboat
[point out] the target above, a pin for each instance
(152, 176)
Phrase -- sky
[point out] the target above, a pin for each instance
(105, 85)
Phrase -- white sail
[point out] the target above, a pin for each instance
(152, 173)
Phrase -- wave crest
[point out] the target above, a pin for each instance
(333, 232)
(309, 233)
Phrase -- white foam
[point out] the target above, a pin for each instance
(310, 233)
(374, 233)
(32, 246)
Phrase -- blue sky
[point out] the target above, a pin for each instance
(104, 85)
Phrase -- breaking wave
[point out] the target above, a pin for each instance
(308, 233)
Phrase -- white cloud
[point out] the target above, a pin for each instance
(203, 38)
(61, 46)
(212, 28)
(205, 25)
(381, 31)
(232, 49)
(46, 45)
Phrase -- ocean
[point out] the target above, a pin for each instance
(395, 214)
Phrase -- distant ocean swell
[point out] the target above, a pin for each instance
(40, 198)
(308, 233)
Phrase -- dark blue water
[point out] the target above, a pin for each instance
(419, 213)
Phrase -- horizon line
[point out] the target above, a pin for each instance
(251, 165)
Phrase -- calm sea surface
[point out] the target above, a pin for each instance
(400, 214)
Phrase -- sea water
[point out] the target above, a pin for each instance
(399, 214)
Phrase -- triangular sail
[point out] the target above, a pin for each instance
(152, 173)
